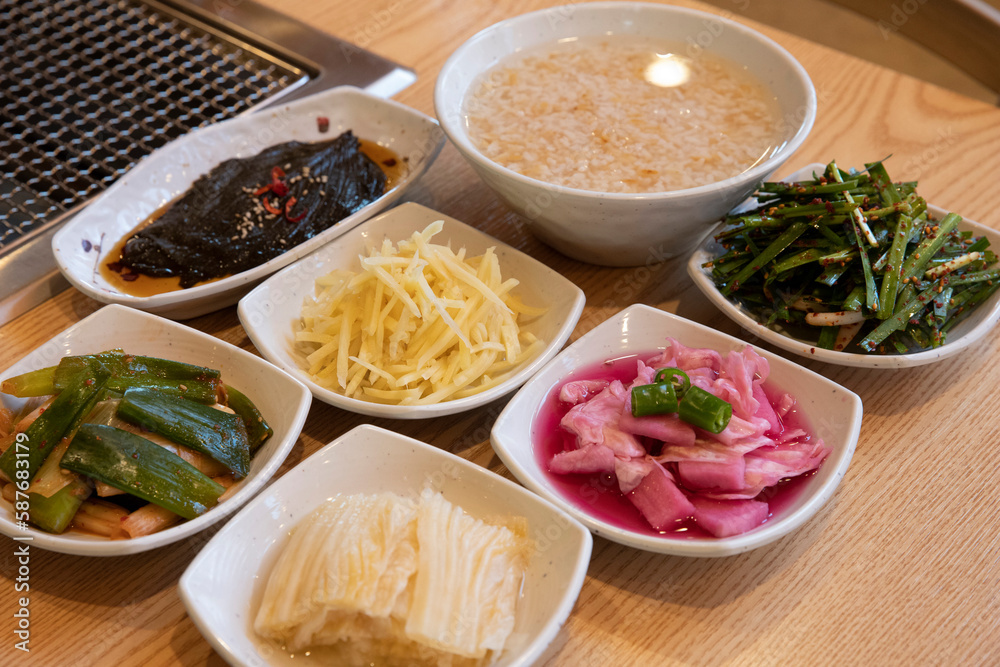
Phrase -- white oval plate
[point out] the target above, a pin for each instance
(80, 245)
(833, 412)
(283, 401)
(221, 589)
(964, 334)
(270, 311)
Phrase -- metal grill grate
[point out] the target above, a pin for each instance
(88, 87)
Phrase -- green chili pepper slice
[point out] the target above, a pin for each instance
(660, 397)
(704, 410)
(695, 406)
(653, 399)
(668, 375)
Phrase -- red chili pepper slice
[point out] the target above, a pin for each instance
(270, 207)
(288, 209)
(278, 187)
(261, 190)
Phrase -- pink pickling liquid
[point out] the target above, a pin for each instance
(598, 495)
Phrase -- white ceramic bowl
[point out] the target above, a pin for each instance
(833, 412)
(282, 400)
(624, 229)
(965, 333)
(271, 311)
(222, 587)
(80, 246)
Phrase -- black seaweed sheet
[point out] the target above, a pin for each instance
(220, 227)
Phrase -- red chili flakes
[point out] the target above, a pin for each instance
(322, 124)
(279, 188)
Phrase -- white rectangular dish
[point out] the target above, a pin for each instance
(81, 245)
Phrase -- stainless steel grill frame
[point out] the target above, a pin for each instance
(89, 87)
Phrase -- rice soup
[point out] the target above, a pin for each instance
(622, 114)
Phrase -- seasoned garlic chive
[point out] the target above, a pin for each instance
(853, 249)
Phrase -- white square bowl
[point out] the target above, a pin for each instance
(80, 246)
(222, 586)
(965, 333)
(282, 400)
(833, 412)
(270, 312)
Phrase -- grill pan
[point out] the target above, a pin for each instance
(89, 87)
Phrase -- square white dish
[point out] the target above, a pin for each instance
(223, 584)
(271, 310)
(971, 330)
(833, 412)
(282, 400)
(80, 246)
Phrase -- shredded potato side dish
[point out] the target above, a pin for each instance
(420, 324)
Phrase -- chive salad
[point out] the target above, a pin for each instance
(854, 262)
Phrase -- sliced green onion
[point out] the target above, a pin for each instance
(828, 337)
(32, 383)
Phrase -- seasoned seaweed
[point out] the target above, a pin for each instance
(247, 211)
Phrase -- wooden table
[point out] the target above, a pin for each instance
(902, 566)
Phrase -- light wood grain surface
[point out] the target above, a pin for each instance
(900, 567)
